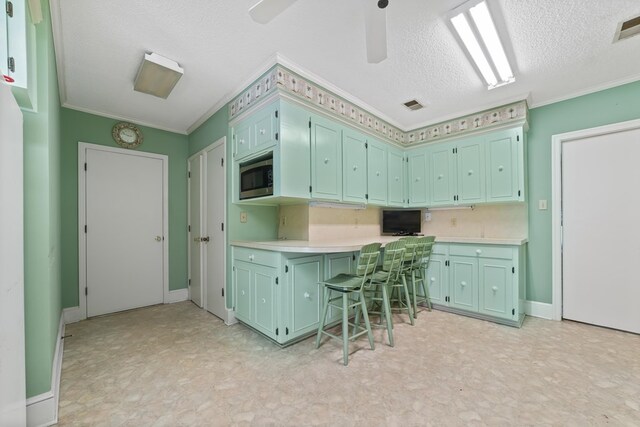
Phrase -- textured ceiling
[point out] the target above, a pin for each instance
(562, 48)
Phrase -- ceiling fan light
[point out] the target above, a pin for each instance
(157, 75)
(461, 25)
(487, 29)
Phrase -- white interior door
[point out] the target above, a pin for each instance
(215, 248)
(12, 357)
(124, 199)
(600, 230)
(195, 229)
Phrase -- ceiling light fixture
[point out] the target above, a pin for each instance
(476, 29)
(157, 75)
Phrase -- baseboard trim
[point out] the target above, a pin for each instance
(539, 309)
(73, 315)
(178, 295)
(42, 410)
(231, 317)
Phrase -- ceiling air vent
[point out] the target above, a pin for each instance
(413, 105)
(628, 29)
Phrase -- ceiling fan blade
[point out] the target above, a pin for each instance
(376, 31)
(265, 10)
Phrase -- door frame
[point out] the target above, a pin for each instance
(230, 318)
(556, 200)
(82, 214)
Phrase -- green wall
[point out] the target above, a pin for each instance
(618, 104)
(42, 238)
(84, 127)
(262, 221)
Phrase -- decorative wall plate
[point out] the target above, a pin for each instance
(127, 135)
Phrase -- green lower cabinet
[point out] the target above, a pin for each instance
(305, 294)
(242, 280)
(464, 283)
(496, 287)
(437, 279)
(264, 314)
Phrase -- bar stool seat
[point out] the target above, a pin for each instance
(349, 289)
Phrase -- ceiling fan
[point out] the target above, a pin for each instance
(375, 22)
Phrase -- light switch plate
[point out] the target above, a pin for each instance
(427, 216)
(243, 217)
(542, 205)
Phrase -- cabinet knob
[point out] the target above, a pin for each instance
(242, 141)
(470, 172)
(440, 176)
(478, 251)
(500, 168)
(397, 178)
(326, 160)
(494, 288)
(377, 173)
(262, 131)
(242, 292)
(307, 296)
(463, 283)
(252, 257)
(433, 279)
(417, 178)
(355, 167)
(264, 301)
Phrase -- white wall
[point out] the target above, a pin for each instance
(12, 363)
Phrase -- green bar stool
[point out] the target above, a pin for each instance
(419, 272)
(379, 286)
(349, 288)
(399, 288)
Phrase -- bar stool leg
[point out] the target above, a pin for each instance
(387, 313)
(406, 295)
(327, 294)
(413, 292)
(345, 328)
(425, 287)
(365, 314)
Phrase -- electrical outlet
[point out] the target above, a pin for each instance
(454, 222)
(542, 205)
(243, 217)
(427, 216)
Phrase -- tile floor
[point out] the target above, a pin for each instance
(177, 365)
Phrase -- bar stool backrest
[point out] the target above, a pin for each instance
(411, 246)
(393, 258)
(426, 246)
(368, 259)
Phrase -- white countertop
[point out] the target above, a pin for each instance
(354, 244)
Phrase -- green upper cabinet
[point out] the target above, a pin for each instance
(377, 172)
(354, 172)
(243, 138)
(442, 174)
(326, 159)
(505, 166)
(265, 127)
(395, 178)
(470, 162)
(417, 179)
(292, 155)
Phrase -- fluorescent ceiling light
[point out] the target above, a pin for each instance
(157, 75)
(477, 31)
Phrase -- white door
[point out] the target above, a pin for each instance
(12, 358)
(124, 199)
(601, 232)
(195, 229)
(215, 248)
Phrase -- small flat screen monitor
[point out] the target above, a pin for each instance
(401, 222)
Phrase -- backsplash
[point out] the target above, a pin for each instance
(301, 222)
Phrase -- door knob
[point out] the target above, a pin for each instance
(158, 239)
(204, 239)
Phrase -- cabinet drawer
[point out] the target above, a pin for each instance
(440, 249)
(483, 251)
(257, 256)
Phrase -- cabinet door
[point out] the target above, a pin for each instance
(292, 157)
(470, 166)
(437, 279)
(442, 174)
(305, 294)
(326, 159)
(417, 179)
(336, 264)
(396, 178)
(265, 127)
(354, 173)
(464, 283)
(243, 277)
(377, 173)
(502, 166)
(243, 138)
(264, 315)
(496, 287)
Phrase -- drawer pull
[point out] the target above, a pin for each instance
(494, 289)
(262, 131)
(264, 301)
(252, 257)
(478, 251)
(463, 283)
(307, 296)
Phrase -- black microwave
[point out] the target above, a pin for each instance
(256, 178)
